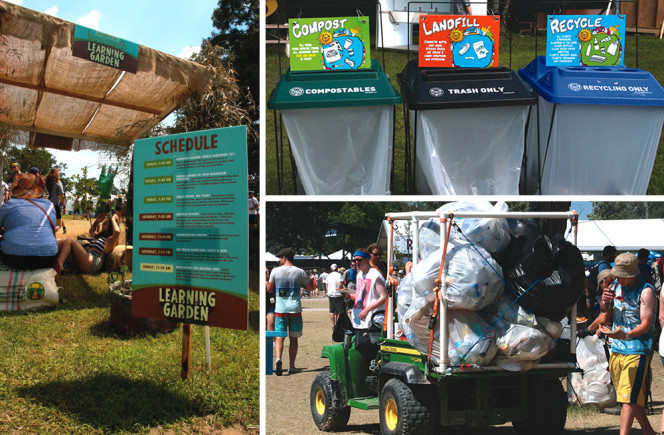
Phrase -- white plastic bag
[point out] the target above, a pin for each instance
(473, 278)
(594, 386)
(429, 238)
(467, 344)
(492, 234)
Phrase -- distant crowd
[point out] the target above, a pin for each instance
(31, 214)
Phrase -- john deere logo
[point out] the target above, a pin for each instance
(436, 92)
(35, 291)
(296, 92)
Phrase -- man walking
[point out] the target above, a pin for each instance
(336, 298)
(286, 282)
(633, 303)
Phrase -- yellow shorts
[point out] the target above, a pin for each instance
(631, 377)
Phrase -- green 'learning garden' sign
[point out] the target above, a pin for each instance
(105, 49)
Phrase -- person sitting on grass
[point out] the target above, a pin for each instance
(27, 223)
(90, 259)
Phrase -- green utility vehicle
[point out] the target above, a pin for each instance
(372, 369)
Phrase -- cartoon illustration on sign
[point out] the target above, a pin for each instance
(600, 46)
(329, 44)
(472, 47)
(342, 49)
(585, 40)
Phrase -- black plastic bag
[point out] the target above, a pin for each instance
(549, 278)
(343, 324)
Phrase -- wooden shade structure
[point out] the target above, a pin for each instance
(65, 102)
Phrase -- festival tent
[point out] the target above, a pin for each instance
(625, 235)
(339, 255)
(65, 102)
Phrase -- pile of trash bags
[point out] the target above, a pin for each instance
(508, 287)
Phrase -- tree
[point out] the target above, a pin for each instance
(37, 157)
(224, 105)
(627, 210)
(84, 186)
(238, 25)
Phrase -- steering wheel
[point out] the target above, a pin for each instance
(377, 320)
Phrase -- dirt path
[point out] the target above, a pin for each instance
(287, 397)
(81, 227)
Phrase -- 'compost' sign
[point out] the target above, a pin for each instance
(191, 224)
(319, 44)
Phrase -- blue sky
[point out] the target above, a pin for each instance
(583, 208)
(172, 26)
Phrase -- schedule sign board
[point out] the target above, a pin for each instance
(191, 244)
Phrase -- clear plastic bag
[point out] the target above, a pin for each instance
(594, 386)
(493, 234)
(429, 238)
(473, 279)
(468, 343)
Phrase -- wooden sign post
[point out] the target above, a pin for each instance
(187, 329)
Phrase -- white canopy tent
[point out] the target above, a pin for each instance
(625, 235)
(339, 255)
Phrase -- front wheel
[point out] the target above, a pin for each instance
(328, 403)
(547, 409)
(405, 410)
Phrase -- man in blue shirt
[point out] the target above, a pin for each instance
(633, 303)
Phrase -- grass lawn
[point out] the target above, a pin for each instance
(523, 50)
(65, 370)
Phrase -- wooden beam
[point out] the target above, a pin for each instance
(42, 88)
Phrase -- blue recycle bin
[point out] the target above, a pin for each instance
(595, 132)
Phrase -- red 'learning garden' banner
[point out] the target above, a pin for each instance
(469, 41)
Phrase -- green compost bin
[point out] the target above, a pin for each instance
(340, 126)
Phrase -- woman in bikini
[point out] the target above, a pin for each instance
(90, 259)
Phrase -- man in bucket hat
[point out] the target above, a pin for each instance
(633, 303)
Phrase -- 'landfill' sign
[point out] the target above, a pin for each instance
(459, 41)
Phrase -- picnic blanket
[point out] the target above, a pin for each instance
(23, 290)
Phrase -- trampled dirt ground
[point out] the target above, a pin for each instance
(81, 228)
(287, 396)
